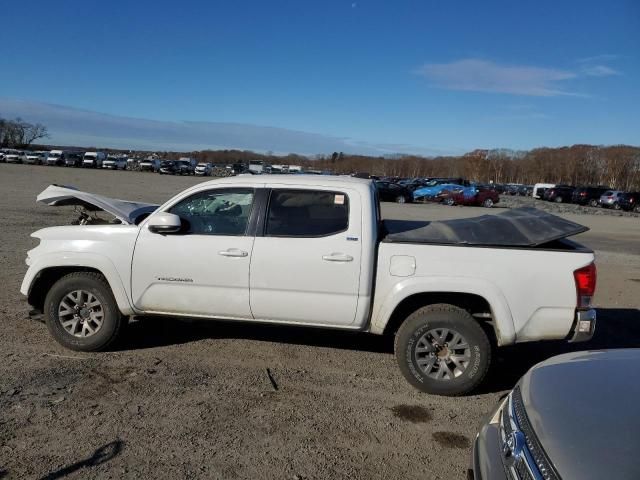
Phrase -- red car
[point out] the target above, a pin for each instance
(482, 197)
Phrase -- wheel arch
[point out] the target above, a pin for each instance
(488, 307)
(476, 305)
(40, 279)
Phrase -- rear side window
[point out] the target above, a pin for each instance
(307, 213)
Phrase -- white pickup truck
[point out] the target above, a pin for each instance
(313, 250)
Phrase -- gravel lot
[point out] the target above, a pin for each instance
(194, 399)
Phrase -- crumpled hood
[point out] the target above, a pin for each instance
(583, 409)
(124, 210)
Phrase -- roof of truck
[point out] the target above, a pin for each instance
(304, 180)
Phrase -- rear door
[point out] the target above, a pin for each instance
(306, 258)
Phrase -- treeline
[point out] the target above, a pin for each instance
(19, 133)
(615, 166)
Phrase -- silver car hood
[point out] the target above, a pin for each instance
(124, 210)
(583, 408)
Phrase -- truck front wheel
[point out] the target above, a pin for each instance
(81, 312)
(441, 349)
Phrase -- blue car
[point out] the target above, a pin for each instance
(431, 192)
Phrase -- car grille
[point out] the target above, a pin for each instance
(523, 456)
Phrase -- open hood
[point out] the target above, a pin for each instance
(518, 227)
(124, 210)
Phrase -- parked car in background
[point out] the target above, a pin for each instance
(393, 192)
(203, 169)
(186, 166)
(630, 202)
(552, 425)
(15, 156)
(511, 188)
(168, 167)
(525, 190)
(496, 187)
(115, 163)
(413, 183)
(34, 158)
(588, 195)
(559, 193)
(149, 165)
(72, 159)
(55, 158)
(433, 189)
(93, 159)
(610, 199)
(540, 188)
(471, 196)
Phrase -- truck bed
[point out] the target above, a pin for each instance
(517, 228)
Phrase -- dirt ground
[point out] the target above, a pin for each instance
(194, 399)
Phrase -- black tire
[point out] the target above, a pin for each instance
(401, 199)
(616, 206)
(112, 324)
(488, 203)
(593, 202)
(418, 326)
(636, 209)
(449, 201)
(558, 200)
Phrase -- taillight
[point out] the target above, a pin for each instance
(585, 279)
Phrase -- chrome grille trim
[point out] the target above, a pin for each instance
(535, 451)
(531, 463)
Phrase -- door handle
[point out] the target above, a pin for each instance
(233, 252)
(337, 257)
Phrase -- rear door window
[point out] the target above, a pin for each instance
(307, 213)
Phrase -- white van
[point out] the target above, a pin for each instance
(541, 186)
(93, 159)
(55, 157)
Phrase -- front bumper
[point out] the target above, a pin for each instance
(584, 326)
(486, 459)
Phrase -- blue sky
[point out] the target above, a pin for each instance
(423, 76)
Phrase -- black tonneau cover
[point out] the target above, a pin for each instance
(518, 227)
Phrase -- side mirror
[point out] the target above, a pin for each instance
(164, 222)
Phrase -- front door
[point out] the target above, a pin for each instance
(204, 269)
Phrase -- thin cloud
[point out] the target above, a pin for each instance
(599, 71)
(72, 126)
(607, 57)
(485, 76)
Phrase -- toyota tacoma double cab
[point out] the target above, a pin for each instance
(304, 250)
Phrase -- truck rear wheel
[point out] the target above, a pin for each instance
(81, 312)
(441, 349)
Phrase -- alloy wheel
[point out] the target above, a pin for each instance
(80, 313)
(442, 354)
